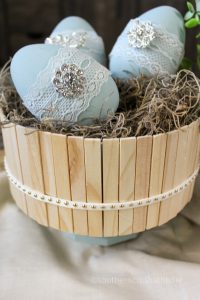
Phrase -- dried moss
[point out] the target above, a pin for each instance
(147, 107)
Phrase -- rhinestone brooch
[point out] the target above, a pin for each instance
(69, 81)
(72, 40)
(141, 34)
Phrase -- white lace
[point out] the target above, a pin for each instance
(93, 43)
(164, 54)
(44, 102)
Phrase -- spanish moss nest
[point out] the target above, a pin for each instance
(147, 106)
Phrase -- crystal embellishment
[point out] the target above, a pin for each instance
(69, 81)
(72, 40)
(141, 34)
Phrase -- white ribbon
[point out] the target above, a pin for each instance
(98, 206)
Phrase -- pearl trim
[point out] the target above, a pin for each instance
(98, 206)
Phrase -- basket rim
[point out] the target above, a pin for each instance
(3, 119)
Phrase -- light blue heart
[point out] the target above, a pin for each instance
(30, 60)
(170, 19)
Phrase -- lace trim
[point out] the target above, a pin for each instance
(165, 52)
(44, 101)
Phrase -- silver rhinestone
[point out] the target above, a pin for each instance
(66, 203)
(70, 82)
(121, 205)
(141, 34)
(64, 67)
(58, 74)
(50, 199)
(93, 206)
(58, 201)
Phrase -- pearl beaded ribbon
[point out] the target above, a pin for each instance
(87, 41)
(98, 206)
(77, 39)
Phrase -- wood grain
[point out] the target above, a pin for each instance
(156, 177)
(169, 173)
(142, 179)
(49, 176)
(194, 148)
(183, 155)
(30, 157)
(196, 154)
(94, 184)
(13, 161)
(77, 179)
(127, 182)
(110, 184)
(197, 160)
(61, 170)
(176, 202)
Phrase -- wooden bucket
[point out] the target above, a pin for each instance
(101, 188)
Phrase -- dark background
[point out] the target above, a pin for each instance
(25, 22)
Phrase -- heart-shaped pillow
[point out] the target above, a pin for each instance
(62, 83)
(151, 44)
(75, 32)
